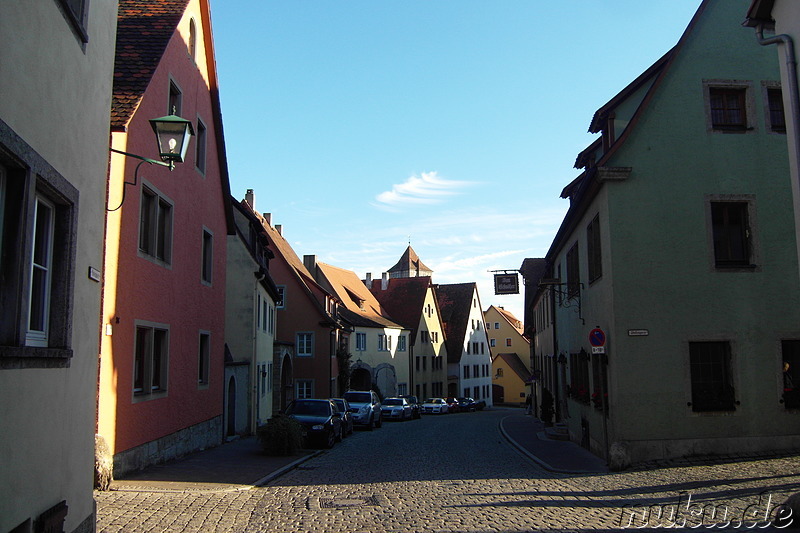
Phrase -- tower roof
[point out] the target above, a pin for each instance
(410, 264)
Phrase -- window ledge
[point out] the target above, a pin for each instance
(736, 268)
(34, 357)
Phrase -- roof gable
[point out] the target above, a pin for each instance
(363, 308)
(455, 305)
(410, 263)
(404, 299)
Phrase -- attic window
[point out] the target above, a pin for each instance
(75, 11)
(729, 105)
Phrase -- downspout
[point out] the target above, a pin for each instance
(794, 113)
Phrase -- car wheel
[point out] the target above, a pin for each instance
(340, 434)
(370, 424)
(331, 439)
(379, 423)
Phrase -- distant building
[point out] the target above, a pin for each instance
(505, 333)
(409, 266)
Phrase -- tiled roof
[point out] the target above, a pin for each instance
(144, 28)
(515, 363)
(455, 301)
(404, 299)
(410, 262)
(362, 307)
(508, 317)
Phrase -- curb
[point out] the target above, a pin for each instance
(533, 458)
(281, 471)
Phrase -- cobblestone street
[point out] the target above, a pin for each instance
(456, 473)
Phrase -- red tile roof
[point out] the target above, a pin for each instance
(404, 298)
(144, 28)
(455, 303)
(410, 262)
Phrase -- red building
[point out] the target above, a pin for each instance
(162, 348)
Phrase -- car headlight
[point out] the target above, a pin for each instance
(318, 427)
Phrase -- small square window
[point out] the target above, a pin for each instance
(305, 344)
(728, 110)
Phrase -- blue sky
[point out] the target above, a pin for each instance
(452, 123)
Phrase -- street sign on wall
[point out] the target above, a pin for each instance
(597, 337)
(506, 284)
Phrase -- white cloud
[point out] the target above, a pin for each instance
(425, 189)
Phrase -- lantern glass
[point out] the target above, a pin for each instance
(172, 133)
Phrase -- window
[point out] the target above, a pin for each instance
(579, 376)
(151, 360)
(508, 342)
(203, 358)
(76, 12)
(192, 40)
(361, 342)
(280, 303)
(271, 323)
(497, 325)
(476, 370)
(418, 363)
(402, 389)
(38, 235)
(265, 313)
(175, 99)
(200, 147)
(476, 393)
(466, 391)
(424, 336)
(155, 226)
(41, 273)
(727, 108)
(593, 249)
(475, 348)
(304, 388)
(382, 345)
(573, 272)
(731, 234)
(466, 372)
(305, 344)
(208, 260)
(499, 373)
(401, 343)
(776, 116)
(492, 343)
(424, 362)
(710, 369)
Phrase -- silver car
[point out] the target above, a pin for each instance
(396, 409)
(365, 407)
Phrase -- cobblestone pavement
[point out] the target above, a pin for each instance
(455, 473)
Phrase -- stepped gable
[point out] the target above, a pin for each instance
(404, 299)
(455, 301)
(409, 263)
(144, 28)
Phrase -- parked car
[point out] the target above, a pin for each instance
(452, 405)
(396, 409)
(347, 417)
(469, 404)
(321, 420)
(365, 407)
(416, 407)
(434, 406)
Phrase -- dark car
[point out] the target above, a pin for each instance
(321, 420)
(416, 406)
(347, 417)
(469, 404)
(452, 405)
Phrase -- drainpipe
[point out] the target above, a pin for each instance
(794, 115)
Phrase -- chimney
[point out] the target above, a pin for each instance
(310, 261)
(368, 282)
(384, 281)
(250, 198)
(268, 218)
(279, 229)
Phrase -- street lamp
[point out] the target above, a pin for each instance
(172, 135)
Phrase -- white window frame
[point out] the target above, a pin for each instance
(40, 336)
(304, 343)
(401, 343)
(361, 341)
(303, 388)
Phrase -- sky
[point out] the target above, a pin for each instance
(452, 125)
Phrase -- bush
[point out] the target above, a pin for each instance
(281, 435)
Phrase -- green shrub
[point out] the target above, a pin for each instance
(281, 435)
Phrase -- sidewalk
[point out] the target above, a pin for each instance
(526, 433)
(232, 466)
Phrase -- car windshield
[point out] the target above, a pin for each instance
(392, 401)
(309, 408)
(357, 397)
(340, 404)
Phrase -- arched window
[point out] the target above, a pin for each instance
(192, 39)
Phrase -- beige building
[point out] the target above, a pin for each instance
(510, 373)
(54, 121)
